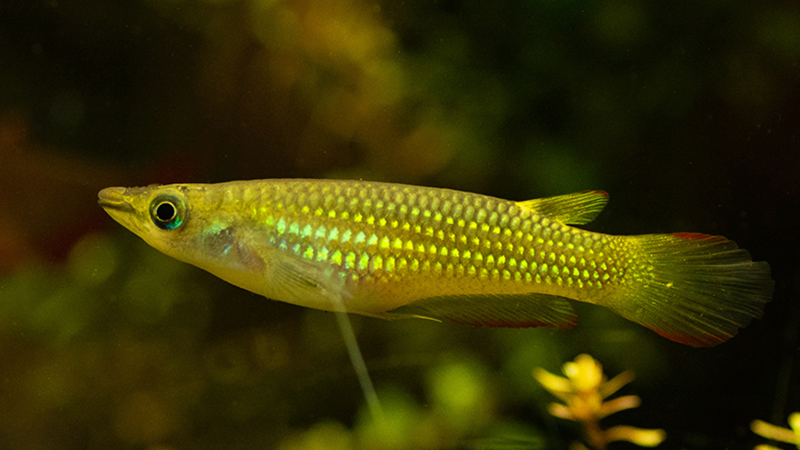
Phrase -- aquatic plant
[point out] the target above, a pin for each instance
(584, 392)
(776, 433)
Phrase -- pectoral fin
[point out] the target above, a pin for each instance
(303, 282)
(509, 311)
(320, 285)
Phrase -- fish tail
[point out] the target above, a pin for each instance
(693, 288)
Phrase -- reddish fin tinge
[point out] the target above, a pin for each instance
(700, 290)
(507, 311)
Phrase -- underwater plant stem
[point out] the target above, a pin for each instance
(595, 434)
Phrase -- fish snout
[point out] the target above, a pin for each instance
(114, 198)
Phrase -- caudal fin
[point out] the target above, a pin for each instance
(694, 288)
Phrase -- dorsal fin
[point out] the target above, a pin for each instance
(570, 209)
(486, 310)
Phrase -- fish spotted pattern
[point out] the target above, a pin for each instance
(392, 250)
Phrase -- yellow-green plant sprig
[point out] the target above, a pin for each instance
(584, 392)
(776, 433)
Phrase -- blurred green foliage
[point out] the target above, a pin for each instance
(686, 112)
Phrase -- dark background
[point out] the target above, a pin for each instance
(687, 113)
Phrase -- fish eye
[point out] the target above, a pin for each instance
(167, 212)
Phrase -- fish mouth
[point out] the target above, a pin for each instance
(114, 198)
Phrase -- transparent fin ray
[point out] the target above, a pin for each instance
(570, 209)
(306, 283)
(305, 280)
(703, 288)
(509, 311)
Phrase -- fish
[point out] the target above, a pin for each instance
(393, 250)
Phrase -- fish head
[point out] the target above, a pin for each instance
(194, 223)
(163, 216)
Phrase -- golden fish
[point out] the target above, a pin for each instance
(387, 250)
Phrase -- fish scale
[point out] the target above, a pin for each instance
(390, 238)
(392, 250)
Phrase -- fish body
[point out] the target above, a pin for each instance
(389, 250)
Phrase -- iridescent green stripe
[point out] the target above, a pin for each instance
(379, 231)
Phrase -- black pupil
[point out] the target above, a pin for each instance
(165, 212)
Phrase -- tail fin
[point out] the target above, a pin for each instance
(695, 289)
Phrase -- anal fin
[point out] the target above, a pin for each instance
(505, 311)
